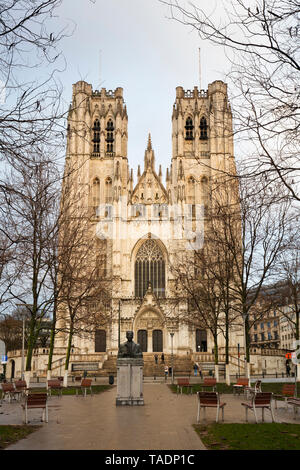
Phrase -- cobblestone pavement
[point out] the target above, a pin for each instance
(164, 423)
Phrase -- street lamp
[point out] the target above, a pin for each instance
(172, 356)
(247, 372)
(23, 347)
(23, 339)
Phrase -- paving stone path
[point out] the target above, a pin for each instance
(95, 423)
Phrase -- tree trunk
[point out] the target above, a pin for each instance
(52, 338)
(30, 344)
(216, 350)
(69, 345)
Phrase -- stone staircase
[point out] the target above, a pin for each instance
(182, 365)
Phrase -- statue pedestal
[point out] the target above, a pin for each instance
(130, 381)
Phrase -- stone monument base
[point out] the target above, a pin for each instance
(130, 381)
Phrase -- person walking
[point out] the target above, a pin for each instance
(156, 358)
(288, 368)
(199, 369)
(195, 369)
(162, 358)
(166, 372)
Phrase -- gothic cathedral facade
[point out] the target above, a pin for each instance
(141, 227)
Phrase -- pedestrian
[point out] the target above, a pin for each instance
(195, 369)
(288, 369)
(166, 372)
(156, 358)
(162, 357)
(170, 370)
(199, 369)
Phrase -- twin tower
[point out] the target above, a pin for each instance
(202, 147)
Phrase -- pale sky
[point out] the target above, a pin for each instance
(146, 54)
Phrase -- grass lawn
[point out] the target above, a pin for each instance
(11, 434)
(262, 436)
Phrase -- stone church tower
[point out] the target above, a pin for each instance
(139, 228)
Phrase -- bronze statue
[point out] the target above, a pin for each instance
(130, 348)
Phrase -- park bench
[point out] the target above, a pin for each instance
(209, 383)
(183, 382)
(54, 384)
(85, 384)
(209, 400)
(295, 403)
(241, 385)
(35, 400)
(261, 401)
(8, 390)
(288, 391)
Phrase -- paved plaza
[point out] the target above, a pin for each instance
(95, 423)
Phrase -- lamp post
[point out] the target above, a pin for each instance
(23, 347)
(172, 356)
(119, 324)
(247, 372)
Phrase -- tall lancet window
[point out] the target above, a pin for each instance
(205, 194)
(149, 268)
(189, 129)
(95, 195)
(203, 129)
(110, 136)
(96, 136)
(108, 191)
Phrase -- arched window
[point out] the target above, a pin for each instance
(108, 191)
(96, 136)
(96, 194)
(149, 268)
(189, 129)
(191, 189)
(110, 136)
(203, 129)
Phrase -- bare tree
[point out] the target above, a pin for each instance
(261, 219)
(83, 286)
(29, 193)
(260, 39)
(196, 284)
(287, 300)
(30, 58)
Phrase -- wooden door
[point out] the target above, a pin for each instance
(157, 338)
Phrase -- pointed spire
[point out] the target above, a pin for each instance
(149, 147)
(167, 176)
(160, 172)
(149, 155)
(139, 172)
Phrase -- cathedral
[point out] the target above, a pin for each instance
(141, 226)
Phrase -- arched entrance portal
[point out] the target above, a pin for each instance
(201, 340)
(12, 373)
(149, 330)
